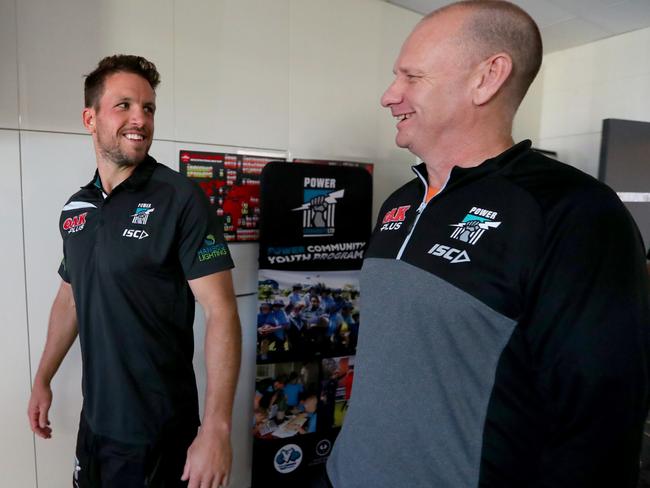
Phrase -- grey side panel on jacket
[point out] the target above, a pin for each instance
(418, 332)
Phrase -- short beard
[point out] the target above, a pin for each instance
(120, 159)
(116, 156)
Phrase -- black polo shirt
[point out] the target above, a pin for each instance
(128, 257)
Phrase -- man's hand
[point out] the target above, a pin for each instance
(39, 406)
(61, 333)
(208, 460)
(210, 455)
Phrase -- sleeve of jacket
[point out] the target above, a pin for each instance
(202, 248)
(588, 323)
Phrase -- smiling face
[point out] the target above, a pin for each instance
(122, 124)
(430, 95)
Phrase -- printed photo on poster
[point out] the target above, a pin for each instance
(286, 400)
(232, 184)
(314, 229)
(336, 390)
(302, 314)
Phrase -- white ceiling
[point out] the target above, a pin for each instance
(568, 23)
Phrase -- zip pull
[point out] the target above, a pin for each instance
(421, 207)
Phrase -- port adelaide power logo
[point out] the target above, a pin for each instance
(319, 206)
(140, 217)
(142, 212)
(474, 225)
(470, 230)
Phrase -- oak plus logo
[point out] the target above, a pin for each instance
(394, 218)
(142, 212)
(75, 224)
(474, 225)
(319, 206)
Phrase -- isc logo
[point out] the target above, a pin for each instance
(449, 253)
(135, 233)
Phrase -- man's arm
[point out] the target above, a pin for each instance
(61, 333)
(209, 457)
(589, 337)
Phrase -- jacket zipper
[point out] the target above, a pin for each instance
(419, 211)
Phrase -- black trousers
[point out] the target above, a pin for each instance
(102, 462)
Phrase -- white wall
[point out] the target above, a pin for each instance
(16, 446)
(527, 119)
(231, 72)
(9, 71)
(302, 77)
(581, 87)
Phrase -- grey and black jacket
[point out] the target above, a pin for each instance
(505, 335)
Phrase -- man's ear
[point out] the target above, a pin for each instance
(490, 76)
(88, 118)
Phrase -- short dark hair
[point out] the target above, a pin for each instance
(500, 26)
(118, 63)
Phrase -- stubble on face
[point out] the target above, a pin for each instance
(110, 150)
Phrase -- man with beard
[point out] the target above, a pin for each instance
(516, 283)
(139, 244)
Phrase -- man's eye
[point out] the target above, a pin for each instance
(122, 105)
(150, 110)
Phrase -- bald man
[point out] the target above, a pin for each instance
(505, 294)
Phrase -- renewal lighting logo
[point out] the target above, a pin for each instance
(142, 213)
(319, 207)
(474, 225)
(211, 249)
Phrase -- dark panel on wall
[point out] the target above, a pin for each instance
(625, 166)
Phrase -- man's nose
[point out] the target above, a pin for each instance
(391, 96)
(137, 116)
